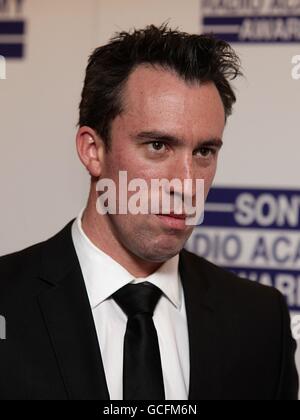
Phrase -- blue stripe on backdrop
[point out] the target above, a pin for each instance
(235, 38)
(14, 27)
(12, 50)
(223, 20)
(253, 208)
(228, 20)
(254, 29)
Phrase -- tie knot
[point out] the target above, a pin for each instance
(134, 299)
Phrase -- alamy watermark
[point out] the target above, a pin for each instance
(296, 67)
(159, 197)
(2, 328)
(2, 68)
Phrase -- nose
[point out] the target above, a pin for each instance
(184, 169)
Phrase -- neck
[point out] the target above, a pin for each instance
(99, 231)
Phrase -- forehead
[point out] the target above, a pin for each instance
(155, 97)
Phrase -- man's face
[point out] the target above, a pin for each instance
(158, 108)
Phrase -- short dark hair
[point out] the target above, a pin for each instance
(195, 58)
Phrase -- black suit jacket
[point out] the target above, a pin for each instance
(240, 340)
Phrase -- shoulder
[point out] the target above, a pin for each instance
(20, 261)
(247, 307)
(230, 288)
(20, 271)
(17, 268)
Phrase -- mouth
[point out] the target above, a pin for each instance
(176, 216)
(174, 221)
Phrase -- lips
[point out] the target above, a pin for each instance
(175, 216)
(173, 221)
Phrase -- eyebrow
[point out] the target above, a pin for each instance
(176, 141)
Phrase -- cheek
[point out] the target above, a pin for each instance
(125, 159)
(208, 178)
(137, 168)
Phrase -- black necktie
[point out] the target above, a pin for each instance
(142, 371)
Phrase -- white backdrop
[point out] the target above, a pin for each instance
(42, 182)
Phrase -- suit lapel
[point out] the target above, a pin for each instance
(204, 337)
(69, 321)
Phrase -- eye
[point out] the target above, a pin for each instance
(156, 146)
(206, 151)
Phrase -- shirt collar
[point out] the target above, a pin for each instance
(97, 265)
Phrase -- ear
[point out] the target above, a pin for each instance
(90, 149)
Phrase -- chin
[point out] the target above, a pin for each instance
(159, 253)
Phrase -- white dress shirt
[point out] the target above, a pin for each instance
(103, 276)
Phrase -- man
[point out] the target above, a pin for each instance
(112, 307)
